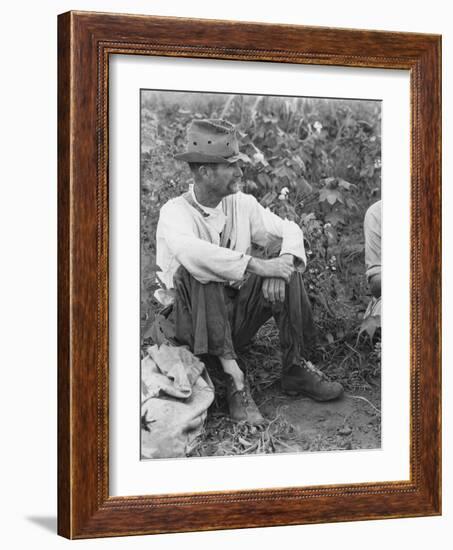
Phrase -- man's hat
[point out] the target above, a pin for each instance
(212, 141)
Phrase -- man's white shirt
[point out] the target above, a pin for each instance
(214, 244)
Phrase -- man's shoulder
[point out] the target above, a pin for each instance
(372, 219)
(240, 198)
(178, 205)
(173, 209)
(374, 211)
(173, 203)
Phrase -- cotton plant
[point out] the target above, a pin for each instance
(284, 192)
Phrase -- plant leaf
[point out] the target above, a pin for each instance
(330, 195)
(345, 184)
(303, 185)
(265, 180)
(268, 198)
(334, 218)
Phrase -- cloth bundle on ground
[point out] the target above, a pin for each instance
(176, 394)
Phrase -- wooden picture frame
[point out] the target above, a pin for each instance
(85, 42)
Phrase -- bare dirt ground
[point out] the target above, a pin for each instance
(348, 423)
(298, 424)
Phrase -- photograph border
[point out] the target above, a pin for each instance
(85, 42)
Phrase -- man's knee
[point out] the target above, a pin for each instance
(181, 276)
(184, 277)
(210, 296)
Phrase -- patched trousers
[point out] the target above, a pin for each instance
(216, 319)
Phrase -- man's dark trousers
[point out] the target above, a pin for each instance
(216, 319)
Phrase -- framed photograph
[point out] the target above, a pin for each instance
(249, 275)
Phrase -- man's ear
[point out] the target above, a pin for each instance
(205, 170)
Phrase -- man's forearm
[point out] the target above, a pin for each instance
(282, 267)
(206, 261)
(289, 256)
(257, 266)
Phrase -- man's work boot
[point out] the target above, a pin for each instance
(306, 379)
(241, 405)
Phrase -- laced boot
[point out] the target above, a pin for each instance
(308, 380)
(241, 405)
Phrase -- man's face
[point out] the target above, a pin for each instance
(224, 178)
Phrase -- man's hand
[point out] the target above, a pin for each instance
(281, 267)
(274, 289)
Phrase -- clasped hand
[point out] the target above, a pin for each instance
(276, 272)
(273, 289)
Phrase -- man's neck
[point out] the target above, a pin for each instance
(205, 197)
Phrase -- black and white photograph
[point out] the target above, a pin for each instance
(260, 255)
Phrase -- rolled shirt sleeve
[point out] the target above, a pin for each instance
(206, 261)
(267, 227)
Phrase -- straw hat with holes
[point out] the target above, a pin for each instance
(212, 141)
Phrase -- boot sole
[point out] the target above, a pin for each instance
(295, 393)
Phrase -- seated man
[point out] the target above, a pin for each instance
(222, 295)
